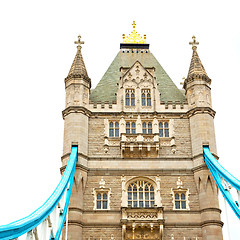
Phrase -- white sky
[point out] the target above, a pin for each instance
(36, 53)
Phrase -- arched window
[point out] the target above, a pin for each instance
(132, 99)
(127, 99)
(148, 99)
(163, 129)
(133, 128)
(180, 201)
(102, 201)
(130, 127)
(141, 194)
(147, 128)
(113, 129)
(143, 99)
(166, 129)
(144, 128)
(116, 129)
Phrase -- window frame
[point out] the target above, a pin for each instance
(163, 131)
(130, 98)
(130, 127)
(113, 129)
(146, 98)
(103, 192)
(141, 194)
(180, 201)
(147, 127)
(103, 201)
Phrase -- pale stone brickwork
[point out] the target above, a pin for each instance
(140, 171)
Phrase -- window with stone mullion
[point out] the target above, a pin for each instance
(163, 129)
(147, 128)
(141, 194)
(113, 129)
(180, 201)
(130, 127)
(102, 201)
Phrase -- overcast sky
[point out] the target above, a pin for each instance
(36, 53)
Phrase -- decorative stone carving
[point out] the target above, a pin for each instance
(102, 183)
(179, 183)
(141, 215)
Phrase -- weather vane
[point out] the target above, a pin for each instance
(79, 42)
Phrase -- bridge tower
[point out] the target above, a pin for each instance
(201, 120)
(140, 172)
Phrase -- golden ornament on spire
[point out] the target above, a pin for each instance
(134, 37)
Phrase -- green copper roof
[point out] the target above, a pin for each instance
(108, 86)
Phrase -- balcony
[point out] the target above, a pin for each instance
(142, 223)
(139, 144)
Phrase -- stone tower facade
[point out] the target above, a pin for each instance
(140, 172)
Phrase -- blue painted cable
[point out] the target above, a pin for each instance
(20, 227)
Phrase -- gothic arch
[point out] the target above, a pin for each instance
(148, 179)
(154, 183)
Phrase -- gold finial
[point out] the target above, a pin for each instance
(134, 24)
(134, 37)
(194, 43)
(79, 42)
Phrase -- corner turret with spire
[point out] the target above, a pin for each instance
(197, 84)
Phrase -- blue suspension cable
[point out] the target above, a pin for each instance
(218, 172)
(24, 225)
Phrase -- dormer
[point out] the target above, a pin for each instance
(137, 87)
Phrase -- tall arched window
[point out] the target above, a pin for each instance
(141, 194)
(144, 128)
(146, 97)
(149, 128)
(133, 127)
(111, 129)
(143, 99)
(127, 99)
(130, 97)
(116, 129)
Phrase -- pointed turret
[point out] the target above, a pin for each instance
(77, 83)
(196, 69)
(197, 84)
(78, 68)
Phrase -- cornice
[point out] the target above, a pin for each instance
(201, 110)
(78, 76)
(76, 109)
